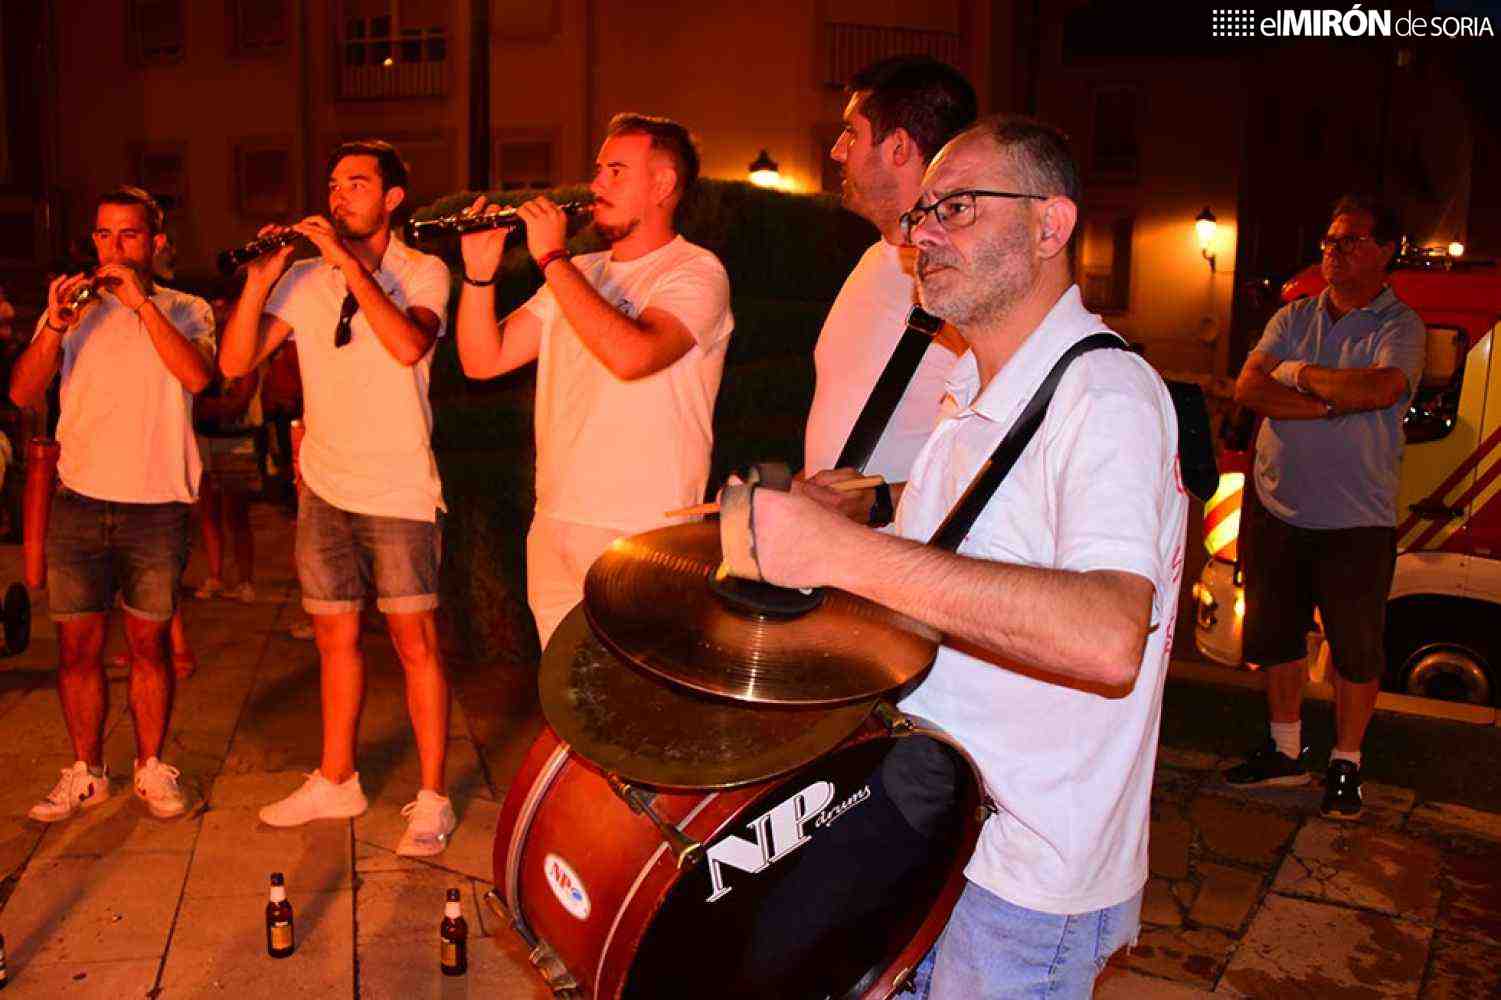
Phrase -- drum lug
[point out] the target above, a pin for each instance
(686, 851)
(554, 973)
(896, 723)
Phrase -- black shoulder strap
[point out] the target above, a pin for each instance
(959, 520)
(887, 393)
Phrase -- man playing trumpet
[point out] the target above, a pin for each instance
(629, 345)
(131, 363)
(366, 316)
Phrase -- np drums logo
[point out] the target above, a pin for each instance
(566, 885)
(778, 833)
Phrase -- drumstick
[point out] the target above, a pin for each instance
(843, 486)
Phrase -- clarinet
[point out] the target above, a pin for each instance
(464, 222)
(230, 260)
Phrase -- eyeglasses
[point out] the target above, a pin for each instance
(343, 333)
(954, 211)
(1344, 244)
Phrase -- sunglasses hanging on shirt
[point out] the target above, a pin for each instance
(344, 332)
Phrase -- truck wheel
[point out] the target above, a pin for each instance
(1437, 648)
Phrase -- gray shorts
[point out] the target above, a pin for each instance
(99, 548)
(340, 555)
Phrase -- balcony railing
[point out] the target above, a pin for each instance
(378, 82)
(853, 46)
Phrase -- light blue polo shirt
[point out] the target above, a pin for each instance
(1339, 473)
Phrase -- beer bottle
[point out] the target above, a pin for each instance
(453, 933)
(280, 939)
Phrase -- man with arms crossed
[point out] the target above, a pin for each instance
(365, 315)
(629, 345)
(901, 111)
(128, 471)
(1332, 375)
(1058, 607)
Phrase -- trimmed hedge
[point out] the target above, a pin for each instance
(786, 256)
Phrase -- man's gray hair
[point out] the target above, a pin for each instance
(1038, 151)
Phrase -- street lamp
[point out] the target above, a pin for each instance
(1205, 225)
(764, 172)
(1456, 249)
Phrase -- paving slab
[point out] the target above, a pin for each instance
(1471, 899)
(1363, 866)
(1117, 983)
(470, 850)
(234, 929)
(93, 909)
(1297, 948)
(124, 980)
(1189, 955)
(1463, 968)
(1159, 906)
(1237, 829)
(236, 853)
(121, 824)
(1189, 760)
(1168, 843)
(1226, 896)
(1446, 818)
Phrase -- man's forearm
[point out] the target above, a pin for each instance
(398, 333)
(1079, 625)
(1267, 397)
(186, 363)
(35, 367)
(239, 344)
(477, 332)
(1354, 390)
(621, 344)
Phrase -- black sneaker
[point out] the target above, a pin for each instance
(1267, 765)
(1341, 791)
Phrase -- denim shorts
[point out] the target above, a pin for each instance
(99, 548)
(995, 950)
(341, 554)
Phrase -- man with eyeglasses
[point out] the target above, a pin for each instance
(901, 111)
(131, 361)
(1331, 377)
(1057, 606)
(366, 315)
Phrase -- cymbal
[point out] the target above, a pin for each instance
(651, 599)
(650, 732)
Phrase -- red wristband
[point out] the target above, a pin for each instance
(549, 257)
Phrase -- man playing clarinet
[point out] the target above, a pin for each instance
(629, 345)
(365, 316)
(128, 474)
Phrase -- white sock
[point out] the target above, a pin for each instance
(1353, 756)
(1289, 738)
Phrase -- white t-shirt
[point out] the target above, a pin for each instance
(859, 336)
(126, 426)
(368, 448)
(1097, 488)
(617, 454)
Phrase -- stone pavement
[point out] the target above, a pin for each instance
(1252, 894)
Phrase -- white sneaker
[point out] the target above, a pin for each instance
(430, 820)
(77, 789)
(318, 798)
(156, 785)
(244, 593)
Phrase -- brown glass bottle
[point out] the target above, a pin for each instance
(453, 937)
(281, 940)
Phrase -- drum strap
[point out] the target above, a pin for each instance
(959, 520)
(889, 389)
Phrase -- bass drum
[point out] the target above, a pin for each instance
(829, 882)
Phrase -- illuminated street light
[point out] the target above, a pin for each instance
(1456, 249)
(764, 172)
(1205, 225)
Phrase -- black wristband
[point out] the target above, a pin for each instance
(478, 284)
(882, 511)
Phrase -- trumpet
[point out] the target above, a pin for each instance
(79, 298)
(230, 260)
(461, 223)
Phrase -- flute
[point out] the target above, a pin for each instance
(461, 223)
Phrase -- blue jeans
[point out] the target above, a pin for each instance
(995, 950)
(341, 554)
(97, 548)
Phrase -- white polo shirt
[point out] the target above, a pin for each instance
(126, 422)
(1097, 488)
(858, 338)
(368, 445)
(617, 454)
